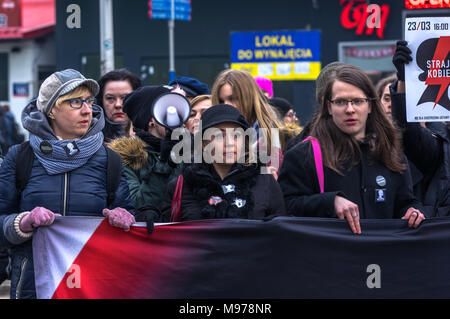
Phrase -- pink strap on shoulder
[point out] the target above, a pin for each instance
(176, 201)
(318, 160)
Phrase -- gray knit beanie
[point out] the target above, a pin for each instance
(60, 83)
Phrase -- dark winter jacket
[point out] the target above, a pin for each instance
(243, 193)
(416, 174)
(84, 191)
(429, 150)
(147, 175)
(378, 191)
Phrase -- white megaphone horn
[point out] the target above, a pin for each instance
(171, 110)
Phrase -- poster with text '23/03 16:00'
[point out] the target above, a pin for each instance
(428, 75)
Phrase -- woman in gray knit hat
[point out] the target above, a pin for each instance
(68, 172)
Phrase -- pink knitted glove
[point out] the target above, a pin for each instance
(119, 217)
(39, 216)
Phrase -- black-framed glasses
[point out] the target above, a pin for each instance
(77, 103)
(355, 102)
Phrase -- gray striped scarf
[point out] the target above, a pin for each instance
(64, 157)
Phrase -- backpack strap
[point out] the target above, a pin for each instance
(113, 175)
(176, 201)
(317, 160)
(24, 164)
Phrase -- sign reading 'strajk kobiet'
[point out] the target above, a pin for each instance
(277, 55)
(428, 75)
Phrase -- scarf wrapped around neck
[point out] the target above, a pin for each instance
(61, 156)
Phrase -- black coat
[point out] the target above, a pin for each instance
(204, 196)
(429, 150)
(418, 181)
(299, 182)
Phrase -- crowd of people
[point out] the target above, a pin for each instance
(96, 149)
(10, 134)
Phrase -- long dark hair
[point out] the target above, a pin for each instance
(339, 148)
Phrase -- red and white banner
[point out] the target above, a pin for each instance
(286, 257)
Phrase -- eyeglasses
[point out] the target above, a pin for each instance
(355, 102)
(77, 103)
(293, 114)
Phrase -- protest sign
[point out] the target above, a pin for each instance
(428, 75)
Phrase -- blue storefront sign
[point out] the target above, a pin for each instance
(278, 55)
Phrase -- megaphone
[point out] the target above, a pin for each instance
(171, 110)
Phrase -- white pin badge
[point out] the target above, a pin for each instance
(381, 181)
(239, 202)
(228, 188)
(380, 195)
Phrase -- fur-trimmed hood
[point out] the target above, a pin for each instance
(132, 150)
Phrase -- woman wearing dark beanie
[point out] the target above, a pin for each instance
(226, 184)
(284, 109)
(287, 117)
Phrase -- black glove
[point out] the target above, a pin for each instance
(166, 146)
(148, 214)
(401, 57)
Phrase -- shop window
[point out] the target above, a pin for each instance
(371, 56)
(90, 65)
(155, 71)
(3, 20)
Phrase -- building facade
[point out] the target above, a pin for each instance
(361, 32)
(27, 50)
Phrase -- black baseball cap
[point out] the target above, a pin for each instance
(223, 113)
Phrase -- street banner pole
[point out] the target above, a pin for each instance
(170, 10)
(171, 25)
(106, 37)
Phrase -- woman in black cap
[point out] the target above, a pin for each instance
(226, 184)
